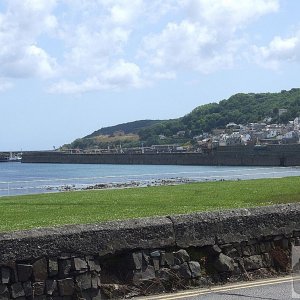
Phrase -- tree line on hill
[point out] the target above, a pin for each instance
(240, 109)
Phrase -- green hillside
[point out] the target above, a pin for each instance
(130, 127)
(125, 133)
(239, 108)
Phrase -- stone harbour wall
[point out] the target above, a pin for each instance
(271, 155)
(151, 255)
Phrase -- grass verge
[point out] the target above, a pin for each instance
(46, 210)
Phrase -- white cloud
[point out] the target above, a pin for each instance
(278, 51)
(125, 12)
(91, 49)
(123, 74)
(114, 44)
(118, 76)
(208, 39)
(230, 14)
(186, 46)
(20, 26)
(95, 46)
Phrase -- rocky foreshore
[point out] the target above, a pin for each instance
(121, 185)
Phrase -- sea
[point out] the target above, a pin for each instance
(19, 179)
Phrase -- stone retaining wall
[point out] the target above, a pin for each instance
(150, 255)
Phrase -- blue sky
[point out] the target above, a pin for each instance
(69, 67)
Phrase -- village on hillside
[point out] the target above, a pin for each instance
(252, 134)
(262, 133)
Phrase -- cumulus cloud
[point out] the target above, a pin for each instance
(92, 35)
(278, 51)
(123, 12)
(187, 46)
(90, 50)
(28, 62)
(95, 46)
(208, 38)
(90, 45)
(118, 76)
(20, 26)
(230, 14)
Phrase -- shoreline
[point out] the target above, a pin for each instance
(123, 185)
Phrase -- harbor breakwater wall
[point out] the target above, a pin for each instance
(275, 155)
(150, 255)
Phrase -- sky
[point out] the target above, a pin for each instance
(70, 67)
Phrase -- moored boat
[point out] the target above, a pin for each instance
(11, 158)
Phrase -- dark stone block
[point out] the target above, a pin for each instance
(28, 288)
(156, 263)
(66, 287)
(52, 266)
(165, 274)
(51, 286)
(64, 268)
(145, 274)
(24, 272)
(93, 264)
(3, 289)
(155, 253)
(285, 244)
(224, 263)
(195, 269)
(17, 290)
(214, 250)
(38, 288)
(146, 257)
(265, 247)
(79, 265)
(5, 275)
(267, 260)
(5, 296)
(40, 269)
(184, 271)
(181, 256)
(84, 281)
(246, 250)
(136, 259)
(253, 262)
(95, 281)
(167, 259)
(230, 251)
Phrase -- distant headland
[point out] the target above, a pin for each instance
(243, 119)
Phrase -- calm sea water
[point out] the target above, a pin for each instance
(18, 178)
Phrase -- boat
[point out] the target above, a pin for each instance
(11, 158)
(14, 157)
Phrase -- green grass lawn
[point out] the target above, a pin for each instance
(45, 210)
